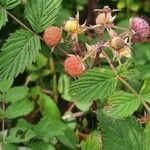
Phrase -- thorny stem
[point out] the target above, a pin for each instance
(126, 83)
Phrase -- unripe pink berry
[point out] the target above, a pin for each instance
(73, 66)
(140, 28)
(52, 36)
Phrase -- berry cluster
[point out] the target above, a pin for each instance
(119, 44)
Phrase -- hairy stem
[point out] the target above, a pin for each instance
(125, 82)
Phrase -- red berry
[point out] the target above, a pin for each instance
(52, 36)
(73, 66)
(141, 29)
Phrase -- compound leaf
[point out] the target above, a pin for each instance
(121, 134)
(19, 51)
(42, 13)
(94, 84)
(123, 104)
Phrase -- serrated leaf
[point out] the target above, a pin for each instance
(122, 104)
(19, 135)
(5, 85)
(3, 17)
(68, 138)
(9, 4)
(41, 146)
(16, 93)
(145, 89)
(94, 84)
(19, 108)
(42, 14)
(48, 107)
(49, 127)
(127, 70)
(120, 134)
(19, 51)
(23, 123)
(146, 143)
(92, 143)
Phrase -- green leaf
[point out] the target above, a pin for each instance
(9, 4)
(123, 104)
(10, 147)
(19, 108)
(16, 93)
(63, 87)
(3, 17)
(19, 135)
(142, 49)
(94, 84)
(49, 127)
(127, 70)
(5, 85)
(120, 134)
(145, 89)
(48, 107)
(42, 14)
(68, 138)
(23, 123)
(146, 143)
(41, 146)
(19, 51)
(92, 143)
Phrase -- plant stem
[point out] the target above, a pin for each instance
(135, 93)
(21, 23)
(109, 61)
(126, 83)
(76, 115)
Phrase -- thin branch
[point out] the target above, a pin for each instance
(71, 107)
(75, 115)
(21, 23)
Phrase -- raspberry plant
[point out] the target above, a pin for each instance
(71, 83)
